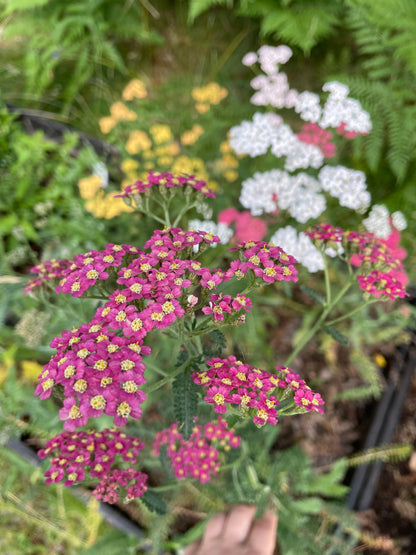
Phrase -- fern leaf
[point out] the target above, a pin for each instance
(185, 403)
(197, 7)
(154, 502)
(386, 453)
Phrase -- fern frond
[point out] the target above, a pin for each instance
(386, 454)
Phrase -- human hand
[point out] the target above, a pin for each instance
(237, 533)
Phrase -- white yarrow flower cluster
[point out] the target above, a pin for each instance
(378, 221)
(221, 230)
(299, 195)
(273, 90)
(258, 193)
(347, 185)
(308, 107)
(253, 137)
(299, 246)
(264, 131)
(340, 109)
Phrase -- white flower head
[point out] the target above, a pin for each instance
(221, 230)
(299, 246)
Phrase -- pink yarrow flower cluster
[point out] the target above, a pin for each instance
(168, 180)
(199, 456)
(99, 366)
(83, 271)
(220, 305)
(247, 228)
(229, 381)
(73, 455)
(312, 134)
(380, 262)
(268, 262)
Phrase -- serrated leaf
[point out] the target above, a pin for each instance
(313, 294)
(219, 344)
(335, 334)
(154, 502)
(185, 401)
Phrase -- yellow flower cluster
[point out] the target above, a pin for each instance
(134, 89)
(88, 186)
(192, 135)
(106, 206)
(212, 93)
(161, 133)
(119, 112)
(227, 164)
(137, 142)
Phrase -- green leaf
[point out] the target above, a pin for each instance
(313, 294)
(185, 403)
(310, 505)
(335, 334)
(196, 7)
(115, 542)
(219, 344)
(22, 5)
(154, 502)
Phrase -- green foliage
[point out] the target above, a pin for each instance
(335, 334)
(386, 453)
(301, 23)
(384, 82)
(185, 401)
(66, 46)
(313, 294)
(154, 502)
(40, 206)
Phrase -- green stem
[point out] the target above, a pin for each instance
(166, 380)
(182, 212)
(356, 309)
(311, 332)
(327, 282)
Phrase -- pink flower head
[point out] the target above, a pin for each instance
(168, 180)
(97, 453)
(230, 382)
(247, 228)
(197, 457)
(347, 134)
(312, 134)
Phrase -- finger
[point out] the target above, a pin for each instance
(193, 548)
(263, 533)
(238, 523)
(214, 527)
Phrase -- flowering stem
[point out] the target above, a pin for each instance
(309, 334)
(168, 379)
(182, 212)
(356, 309)
(327, 281)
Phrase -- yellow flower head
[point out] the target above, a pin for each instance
(212, 93)
(106, 124)
(119, 111)
(161, 133)
(31, 370)
(230, 175)
(129, 165)
(138, 141)
(134, 89)
(201, 108)
(191, 136)
(88, 186)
